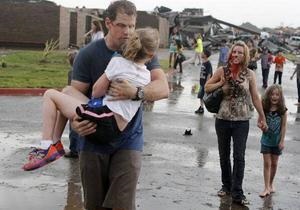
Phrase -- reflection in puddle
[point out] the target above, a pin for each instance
(74, 195)
(267, 203)
(297, 119)
(202, 154)
(226, 204)
(183, 155)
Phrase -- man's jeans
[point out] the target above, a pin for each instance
(74, 141)
(232, 180)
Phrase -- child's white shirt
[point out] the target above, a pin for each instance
(137, 74)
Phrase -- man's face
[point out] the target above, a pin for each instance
(121, 28)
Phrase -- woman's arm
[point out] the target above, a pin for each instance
(261, 121)
(101, 86)
(88, 33)
(283, 130)
(217, 80)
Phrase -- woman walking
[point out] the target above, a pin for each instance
(232, 119)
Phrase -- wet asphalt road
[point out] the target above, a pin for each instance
(179, 172)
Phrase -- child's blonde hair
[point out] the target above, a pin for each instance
(266, 99)
(142, 44)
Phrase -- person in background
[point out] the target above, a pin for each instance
(179, 55)
(266, 62)
(279, 62)
(205, 74)
(253, 59)
(96, 32)
(173, 39)
(198, 50)
(297, 71)
(232, 119)
(272, 140)
(223, 54)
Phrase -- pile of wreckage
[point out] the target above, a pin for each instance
(191, 22)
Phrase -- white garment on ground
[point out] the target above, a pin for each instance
(97, 35)
(137, 74)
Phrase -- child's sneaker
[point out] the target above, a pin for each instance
(54, 152)
(39, 152)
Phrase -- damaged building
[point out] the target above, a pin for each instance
(191, 21)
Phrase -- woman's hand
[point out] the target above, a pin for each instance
(83, 127)
(261, 123)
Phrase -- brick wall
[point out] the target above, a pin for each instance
(78, 27)
(32, 24)
(164, 32)
(81, 28)
(28, 24)
(73, 28)
(64, 28)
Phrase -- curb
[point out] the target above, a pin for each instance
(22, 91)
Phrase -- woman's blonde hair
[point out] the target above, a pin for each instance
(142, 44)
(246, 59)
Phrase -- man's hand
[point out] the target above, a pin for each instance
(83, 128)
(121, 90)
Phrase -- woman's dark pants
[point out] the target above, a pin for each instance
(232, 179)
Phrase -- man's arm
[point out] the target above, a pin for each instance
(157, 89)
(81, 86)
(84, 127)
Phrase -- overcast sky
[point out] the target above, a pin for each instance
(269, 13)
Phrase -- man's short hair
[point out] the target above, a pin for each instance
(120, 6)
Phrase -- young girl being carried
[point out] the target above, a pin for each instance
(272, 140)
(138, 50)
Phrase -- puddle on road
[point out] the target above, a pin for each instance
(183, 155)
(294, 114)
(55, 186)
(74, 193)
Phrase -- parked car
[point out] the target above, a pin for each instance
(294, 41)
